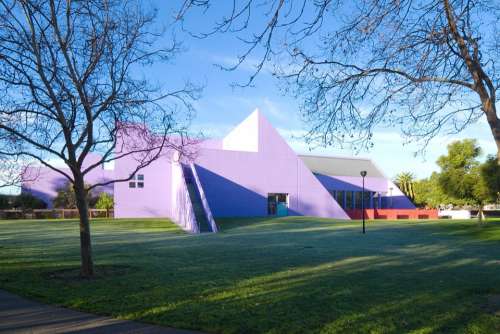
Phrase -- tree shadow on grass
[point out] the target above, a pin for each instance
(348, 295)
(291, 275)
(71, 274)
(389, 285)
(488, 231)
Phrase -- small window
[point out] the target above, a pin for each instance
(357, 199)
(340, 198)
(349, 200)
(137, 181)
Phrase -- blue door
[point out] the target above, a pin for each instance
(282, 209)
(277, 204)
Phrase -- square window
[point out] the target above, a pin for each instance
(132, 176)
(131, 184)
(140, 184)
(140, 177)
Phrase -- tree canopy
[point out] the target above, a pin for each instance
(428, 193)
(406, 183)
(71, 84)
(460, 175)
(427, 66)
(462, 180)
(490, 171)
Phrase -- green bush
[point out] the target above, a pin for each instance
(28, 201)
(66, 199)
(5, 202)
(24, 201)
(104, 201)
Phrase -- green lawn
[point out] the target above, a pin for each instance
(288, 275)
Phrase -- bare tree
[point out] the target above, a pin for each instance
(16, 170)
(71, 85)
(426, 66)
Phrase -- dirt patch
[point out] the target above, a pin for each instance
(100, 272)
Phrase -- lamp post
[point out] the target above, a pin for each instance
(390, 195)
(363, 174)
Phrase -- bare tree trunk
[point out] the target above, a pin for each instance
(494, 123)
(483, 84)
(480, 215)
(496, 135)
(87, 266)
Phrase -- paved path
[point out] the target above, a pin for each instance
(19, 315)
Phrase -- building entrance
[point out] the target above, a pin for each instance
(277, 204)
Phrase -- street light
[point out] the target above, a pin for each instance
(363, 174)
(390, 195)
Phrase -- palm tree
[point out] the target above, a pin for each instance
(405, 182)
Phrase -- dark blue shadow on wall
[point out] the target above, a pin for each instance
(57, 183)
(330, 182)
(397, 202)
(227, 198)
(401, 202)
(40, 195)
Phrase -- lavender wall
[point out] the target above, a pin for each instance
(236, 175)
(154, 200)
(236, 183)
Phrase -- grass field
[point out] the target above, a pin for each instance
(287, 275)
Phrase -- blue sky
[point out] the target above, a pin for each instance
(221, 107)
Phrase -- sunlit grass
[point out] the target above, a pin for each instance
(284, 275)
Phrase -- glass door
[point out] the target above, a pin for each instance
(277, 204)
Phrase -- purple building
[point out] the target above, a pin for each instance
(45, 182)
(250, 172)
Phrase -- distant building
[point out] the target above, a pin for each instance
(45, 182)
(341, 176)
(250, 172)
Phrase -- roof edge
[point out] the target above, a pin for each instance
(333, 157)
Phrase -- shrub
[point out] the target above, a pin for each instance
(28, 201)
(104, 201)
(5, 202)
(65, 198)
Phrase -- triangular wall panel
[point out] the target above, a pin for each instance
(245, 136)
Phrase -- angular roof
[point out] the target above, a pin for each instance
(337, 166)
(256, 134)
(245, 136)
